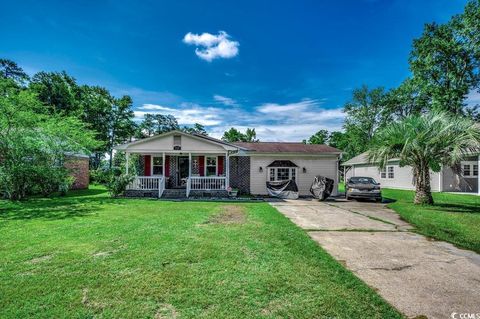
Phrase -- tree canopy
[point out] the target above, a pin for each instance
(234, 135)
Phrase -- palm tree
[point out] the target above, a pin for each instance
(426, 142)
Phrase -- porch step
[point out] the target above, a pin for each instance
(174, 193)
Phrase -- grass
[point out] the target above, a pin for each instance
(341, 187)
(454, 217)
(87, 255)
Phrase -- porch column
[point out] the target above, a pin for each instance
(127, 155)
(227, 170)
(163, 164)
(189, 165)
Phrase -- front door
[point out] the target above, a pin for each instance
(182, 170)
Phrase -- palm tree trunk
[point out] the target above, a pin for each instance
(423, 192)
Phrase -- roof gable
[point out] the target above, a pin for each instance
(165, 143)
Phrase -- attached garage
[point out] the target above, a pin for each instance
(276, 161)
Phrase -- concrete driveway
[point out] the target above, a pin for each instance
(418, 276)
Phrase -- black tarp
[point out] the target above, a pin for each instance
(284, 189)
(321, 187)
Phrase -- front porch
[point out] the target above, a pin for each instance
(179, 174)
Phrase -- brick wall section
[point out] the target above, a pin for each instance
(240, 173)
(78, 167)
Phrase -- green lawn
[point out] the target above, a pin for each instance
(454, 217)
(341, 187)
(87, 255)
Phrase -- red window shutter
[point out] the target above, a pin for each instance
(221, 161)
(201, 165)
(167, 166)
(147, 166)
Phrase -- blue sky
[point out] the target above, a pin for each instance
(283, 67)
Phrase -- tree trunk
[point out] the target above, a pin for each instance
(423, 192)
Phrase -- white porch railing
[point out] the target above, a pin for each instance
(206, 183)
(145, 183)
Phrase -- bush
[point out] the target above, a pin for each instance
(118, 184)
(100, 176)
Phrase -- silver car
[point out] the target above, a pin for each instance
(363, 188)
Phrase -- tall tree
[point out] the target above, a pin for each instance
(405, 100)
(426, 142)
(97, 106)
(250, 136)
(157, 124)
(197, 128)
(444, 67)
(58, 91)
(321, 137)
(121, 124)
(10, 70)
(338, 140)
(364, 115)
(234, 135)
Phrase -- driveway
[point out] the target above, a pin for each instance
(417, 275)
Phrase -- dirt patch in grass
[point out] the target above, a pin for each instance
(229, 214)
(275, 306)
(89, 303)
(166, 311)
(40, 259)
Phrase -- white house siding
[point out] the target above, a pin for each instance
(403, 177)
(314, 165)
(188, 144)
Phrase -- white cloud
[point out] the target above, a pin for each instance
(225, 100)
(290, 107)
(291, 122)
(473, 99)
(210, 47)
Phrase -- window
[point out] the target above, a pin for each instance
(272, 175)
(470, 169)
(466, 170)
(383, 173)
(391, 172)
(278, 174)
(177, 140)
(157, 165)
(211, 166)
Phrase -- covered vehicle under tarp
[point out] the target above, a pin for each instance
(284, 189)
(321, 187)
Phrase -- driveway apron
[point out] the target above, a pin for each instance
(417, 275)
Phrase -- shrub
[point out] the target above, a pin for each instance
(118, 184)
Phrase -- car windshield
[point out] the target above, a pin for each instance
(362, 180)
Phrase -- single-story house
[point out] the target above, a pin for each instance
(394, 176)
(186, 164)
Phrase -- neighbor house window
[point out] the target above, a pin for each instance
(157, 165)
(383, 173)
(466, 170)
(469, 169)
(391, 172)
(211, 166)
(278, 174)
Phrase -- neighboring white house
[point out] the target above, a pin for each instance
(196, 164)
(394, 176)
